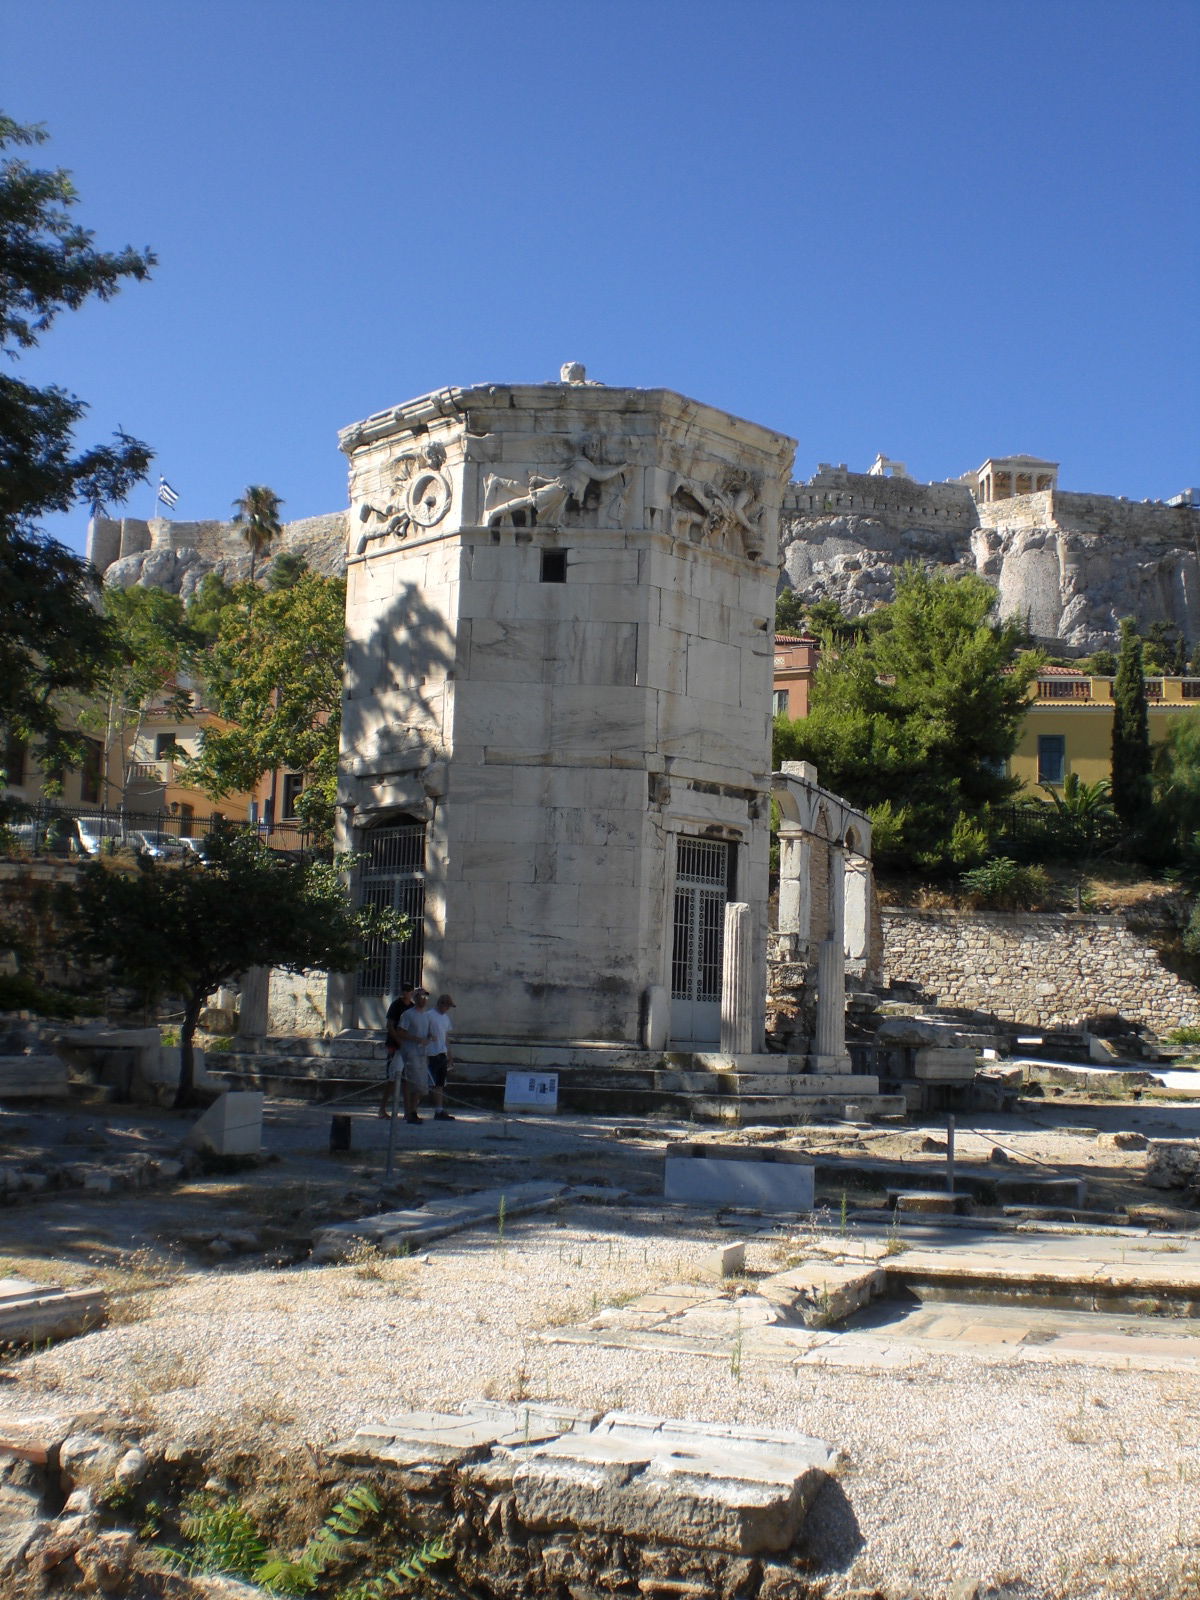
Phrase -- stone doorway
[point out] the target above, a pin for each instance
(393, 875)
(702, 869)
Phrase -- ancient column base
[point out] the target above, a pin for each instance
(829, 1064)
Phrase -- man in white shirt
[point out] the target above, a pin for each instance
(414, 1031)
(440, 1057)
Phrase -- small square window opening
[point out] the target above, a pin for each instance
(554, 566)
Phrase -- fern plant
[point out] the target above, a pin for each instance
(327, 1546)
(223, 1539)
(396, 1580)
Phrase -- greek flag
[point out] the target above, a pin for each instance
(169, 496)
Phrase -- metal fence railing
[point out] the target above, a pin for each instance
(47, 828)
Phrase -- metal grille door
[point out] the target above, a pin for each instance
(701, 891)
(393, 876)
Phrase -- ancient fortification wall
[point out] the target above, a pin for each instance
(1036, 967)
(1072, 565)
(176, 556)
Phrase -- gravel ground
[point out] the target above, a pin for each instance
(1062, 1481)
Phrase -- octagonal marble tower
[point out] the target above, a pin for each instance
(556, 721)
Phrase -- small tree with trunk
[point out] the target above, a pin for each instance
(256, 513)
(1132, 763)
(185, 930)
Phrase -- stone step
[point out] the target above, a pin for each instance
(33, 1078)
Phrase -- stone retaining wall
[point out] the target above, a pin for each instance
(1037, 967)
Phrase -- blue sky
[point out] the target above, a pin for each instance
(942, 229)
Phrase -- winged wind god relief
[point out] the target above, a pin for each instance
(724, 515)
(418, 497)
(547, 501)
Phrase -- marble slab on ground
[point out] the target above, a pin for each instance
(702, 1485)
(30, 1312)
(399, 1232)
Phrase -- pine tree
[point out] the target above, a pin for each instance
(54, 639)
(1132, 790)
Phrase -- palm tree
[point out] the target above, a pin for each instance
(257, 514)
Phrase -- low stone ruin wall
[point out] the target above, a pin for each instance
(1043, 968)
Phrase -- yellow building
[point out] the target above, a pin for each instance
(1069, 724)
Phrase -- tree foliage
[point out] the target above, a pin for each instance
(257, 514)
(186, 929)
(153, 644)
(275, 672)
(914, 718)
(53, 639)
(1132, 787)
(1177, 779)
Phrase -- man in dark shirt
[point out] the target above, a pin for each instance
(392, 1035)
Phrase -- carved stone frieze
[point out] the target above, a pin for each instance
(544, 500)
(419, 494)
(726, 514)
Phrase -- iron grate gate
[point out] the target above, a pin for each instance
(701, 880)
(393, 877)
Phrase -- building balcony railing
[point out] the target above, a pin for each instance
(1064, 689)
(148, 771)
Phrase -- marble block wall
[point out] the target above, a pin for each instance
(559, 658)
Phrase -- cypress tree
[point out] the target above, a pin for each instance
(1132, 790)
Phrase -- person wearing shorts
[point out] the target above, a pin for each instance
(393, 1040)
(414, 1031)
(440, 1058)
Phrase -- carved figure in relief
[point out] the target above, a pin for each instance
(719, 513)
(541, 499)
(420, 494)
(576, 373)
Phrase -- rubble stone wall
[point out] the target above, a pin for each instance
(1038, 967)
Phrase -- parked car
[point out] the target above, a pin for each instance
(193, 849)
(163, 846)
(96, 834)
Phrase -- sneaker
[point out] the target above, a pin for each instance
(412, 1117)
(442, 1116)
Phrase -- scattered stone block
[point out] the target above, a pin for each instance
(34, 1436)
(1122, 1139)
(31, 1312)
(820, 1293)
(421, 1437)
(732, 1175)
(938, 1064)
(400, 1232)
(1070, 1192)
(932, 1202)
(232, 1125)
(726, 1261)
(1172, 1163)
(33, 1078)
(739, 1490)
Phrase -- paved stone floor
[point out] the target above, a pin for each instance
(1107, 1300)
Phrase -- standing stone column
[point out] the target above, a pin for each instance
(738, 1011)
(255, 986)
(831, 1054)
(795, 892)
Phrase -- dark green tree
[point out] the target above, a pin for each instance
(256, 513)
(790, 611)
(54, 640)
(185, 930)
(206, 605)
(1177, 780)
(1132, 786)
(275, 672)
(286, 570)
(153, 645)
(915, 719)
